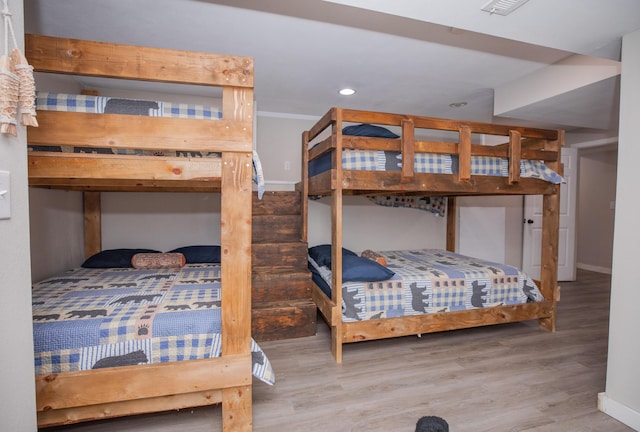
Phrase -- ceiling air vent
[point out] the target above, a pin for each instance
(503, 7)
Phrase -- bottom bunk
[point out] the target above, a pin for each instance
(398, 293)
(113, 340)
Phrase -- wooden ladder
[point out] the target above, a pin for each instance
(282, 307)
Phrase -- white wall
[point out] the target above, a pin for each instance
(17, 397)
(56, 226)
(596, 208)
(621, 398)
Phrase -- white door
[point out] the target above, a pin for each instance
(532, 235)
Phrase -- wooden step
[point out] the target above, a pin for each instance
(270, 228)
(269, 255)
(283, 320)
(283, 284)
(277, 203)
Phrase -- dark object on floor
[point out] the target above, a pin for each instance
(432, 424)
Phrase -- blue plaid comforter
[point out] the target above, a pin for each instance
(378, 160)
(94, 318)
(433, 280)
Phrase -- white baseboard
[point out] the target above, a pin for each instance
(597, 269)
(619, 411)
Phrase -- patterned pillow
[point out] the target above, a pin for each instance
(375, 256)
(157, 260)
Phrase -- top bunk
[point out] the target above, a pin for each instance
(82, 144)
(428, 155)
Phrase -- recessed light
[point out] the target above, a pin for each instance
(458, 104)
(347, 91)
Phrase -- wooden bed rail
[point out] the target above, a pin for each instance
(101, 59)
(521, 143)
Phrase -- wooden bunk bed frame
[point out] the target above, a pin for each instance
(97, 394)
(522, 143)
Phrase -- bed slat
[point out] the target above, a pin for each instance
(80, 57)
(141, 132)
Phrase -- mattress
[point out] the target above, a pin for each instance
(89, 318)
(428, 281)
(47, 101)
(379, 160)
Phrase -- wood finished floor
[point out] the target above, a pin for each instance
(513, 377)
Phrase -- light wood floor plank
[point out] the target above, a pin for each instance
(512, 377)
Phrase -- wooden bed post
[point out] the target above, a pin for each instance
(336, 241)
(452, 223)
(92, 223)
(304, 187)
(549, 247)
(235, 238)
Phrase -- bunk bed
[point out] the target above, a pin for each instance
(173, 164)
(351, 152)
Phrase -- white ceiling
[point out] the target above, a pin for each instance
(406, 56)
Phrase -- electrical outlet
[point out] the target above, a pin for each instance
(5, 195)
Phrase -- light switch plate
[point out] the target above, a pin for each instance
(5, 195)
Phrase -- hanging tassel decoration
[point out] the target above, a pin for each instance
(17, 85)
(9, 93)
(27, 93)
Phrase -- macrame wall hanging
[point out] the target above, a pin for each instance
(17, 86)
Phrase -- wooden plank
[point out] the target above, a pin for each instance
(101, 59)
(281, 284)
(356, 116)
(408, 151)
(65, 416)
(321, 148)
(436, 322)
(122, 131)
(326, 121)
(452, 224)
(464, 154)
(514, 156)
(278, 320)
(336, 236)
(121, 167)
(69, 389)
(235, 239)
(238, 109)
(269, 255)
(117, 185)
(276, 228)
(92, 223)
(237, 409)
(367, 182)
(127, 408)
(303, 187)
(277, 203)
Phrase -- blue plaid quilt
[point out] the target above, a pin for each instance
(379, 160)
(95, 318)
(46, 101)
(433, 280)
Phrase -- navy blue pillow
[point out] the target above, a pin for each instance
(369, 130)
(358, 269)
(114, 258)
(200, 254)
(321, 254)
